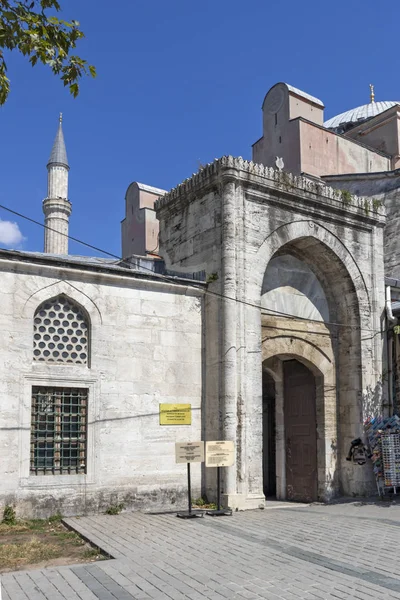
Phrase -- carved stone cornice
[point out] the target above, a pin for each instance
(258, 175)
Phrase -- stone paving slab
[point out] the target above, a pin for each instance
(314, 552)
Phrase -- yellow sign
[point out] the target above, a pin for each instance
(175, 414)
(189, 452)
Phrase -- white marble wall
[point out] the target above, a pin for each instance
(146, 349)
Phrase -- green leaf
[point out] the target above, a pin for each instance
(74, 89)
(26, 27)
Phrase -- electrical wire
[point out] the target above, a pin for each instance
(264, 311)
(14, 212)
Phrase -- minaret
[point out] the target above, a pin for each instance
(56, 207)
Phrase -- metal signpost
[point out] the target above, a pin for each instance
(220, 454)
(188, 452)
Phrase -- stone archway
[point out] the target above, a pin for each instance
(234, 218)
(274, 352)
(335, 333)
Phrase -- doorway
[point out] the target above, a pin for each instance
(269, 436)
(300, 432)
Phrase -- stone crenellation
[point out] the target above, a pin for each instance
(283, 178)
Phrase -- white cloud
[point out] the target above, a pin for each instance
(10, 234)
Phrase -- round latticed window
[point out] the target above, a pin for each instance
(60, 332)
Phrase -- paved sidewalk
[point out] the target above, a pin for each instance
(311, 552)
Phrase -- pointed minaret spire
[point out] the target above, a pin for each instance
(56, 207)
(58, 155)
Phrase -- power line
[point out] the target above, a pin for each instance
(14, 212)
(265, 311)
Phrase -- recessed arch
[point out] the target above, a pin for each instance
(68, 289)
(291, 286)
(317, 360)
(277, 350)
(61, 332)
(330, 347)
(290, 235)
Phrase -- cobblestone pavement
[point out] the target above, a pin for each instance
(311, 552)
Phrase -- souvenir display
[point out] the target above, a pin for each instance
(384, 440)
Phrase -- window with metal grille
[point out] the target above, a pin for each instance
(60, 332)
(58, 430)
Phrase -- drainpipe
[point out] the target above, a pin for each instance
(390, 318)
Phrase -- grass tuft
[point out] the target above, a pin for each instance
(13, 556)
(27, 543)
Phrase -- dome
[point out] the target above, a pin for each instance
(359, 114)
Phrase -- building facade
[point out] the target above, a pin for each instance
(88, 353)
(292, 324)
(263, 293)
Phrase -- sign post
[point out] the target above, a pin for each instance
(220, 454)
(188, 452)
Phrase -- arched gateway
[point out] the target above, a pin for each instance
(292, 324)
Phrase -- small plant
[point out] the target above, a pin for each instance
(115, 509)
(93, 554)
(57, 518)
(9, 515)
(198, 502)
(346, 197)
(203, 503)
(366, 206)
(376, 204)
(212, 277)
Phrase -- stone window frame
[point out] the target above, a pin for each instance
(59, 430)
(28, 479)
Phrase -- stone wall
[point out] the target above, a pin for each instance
(146, 349)
(383, 191)
(231, 219)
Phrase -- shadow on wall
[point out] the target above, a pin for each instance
(372, 401)
(291, 287)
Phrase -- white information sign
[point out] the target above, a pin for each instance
(188, 452)
(220, 454)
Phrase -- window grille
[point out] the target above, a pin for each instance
(58, 430)
(60, 332)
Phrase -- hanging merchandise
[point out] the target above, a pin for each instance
(391, 459)
(384, 440)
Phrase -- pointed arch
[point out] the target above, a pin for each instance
(292, 233)
(68, 289)
(61, 332)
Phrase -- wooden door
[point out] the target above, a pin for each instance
(300, 432)
(269, 453)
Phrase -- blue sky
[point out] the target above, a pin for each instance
(179, 83)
